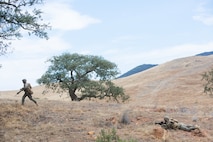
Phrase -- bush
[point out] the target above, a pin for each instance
(110, 136)
(208, 86)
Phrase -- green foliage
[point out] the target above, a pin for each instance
(111, 136)
(87, 74)
(208, 86)
(17, 15)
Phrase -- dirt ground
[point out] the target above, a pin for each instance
(60, 121)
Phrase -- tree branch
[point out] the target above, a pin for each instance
(7, 3)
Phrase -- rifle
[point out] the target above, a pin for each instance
(160, 123)
(19, 91)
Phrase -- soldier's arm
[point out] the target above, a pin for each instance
(20, 90)
(30, 86)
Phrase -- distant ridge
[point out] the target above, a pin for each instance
(205, 53)
(138, 69)
(144, 67)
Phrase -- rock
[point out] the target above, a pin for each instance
(125, 118)
(91, 133)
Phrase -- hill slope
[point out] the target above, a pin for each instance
(173, 89)
(177, 82)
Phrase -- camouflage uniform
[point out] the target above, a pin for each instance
(174, 124)
(185, 127)
(28, 92)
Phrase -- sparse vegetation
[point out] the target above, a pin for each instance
(111, 136)
(60, 121)
(152, 98)
(87, 74)
(208, 86)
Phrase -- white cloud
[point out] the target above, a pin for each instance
(127, 38)
(206, 19)
(204, 15)
(62, 17)
(14, 71)
(42, 47)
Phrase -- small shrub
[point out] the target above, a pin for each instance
(208, 86)
(110, 136)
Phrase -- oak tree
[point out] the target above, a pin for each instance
(89, 76)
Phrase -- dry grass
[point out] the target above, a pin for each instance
(173, 89)
(57, 121)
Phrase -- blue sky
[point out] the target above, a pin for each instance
(128, 33)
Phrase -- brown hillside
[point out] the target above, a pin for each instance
(173, 89)
(175, 83)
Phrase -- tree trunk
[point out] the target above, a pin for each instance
(73, 95)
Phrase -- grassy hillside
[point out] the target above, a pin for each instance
(176, 82)
(173, 89)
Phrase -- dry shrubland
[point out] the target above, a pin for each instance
(58, 121)
(173, 89)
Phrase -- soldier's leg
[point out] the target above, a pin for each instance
(191, 127)
(23, 98)
(187, 127)
(31, 98)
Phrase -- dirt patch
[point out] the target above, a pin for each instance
(159, 133)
